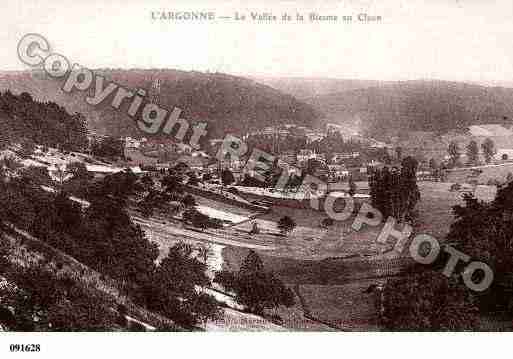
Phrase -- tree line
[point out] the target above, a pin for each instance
(44, 123)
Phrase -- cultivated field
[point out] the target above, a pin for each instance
(489, 172)
(334, 291)
(352, 306)
(435, 206)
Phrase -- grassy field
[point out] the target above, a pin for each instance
(349, 306)
(309, 240)
(435, 206)
(334, 289)
(332, 267)
(238, 213)
(138, 158)
(489, 172)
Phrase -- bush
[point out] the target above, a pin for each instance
(455, 187)
(59, 303)
(136, 327)
(188, 201)
(227, 177)
(286, 224)
(494, 182)
(327, 222)
(200, 220)
(254, 287)
(473, 182)
(428, 302)
(233, 190)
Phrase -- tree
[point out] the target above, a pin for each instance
(454, 153)
(352, 186)
(200, 220)
(17, 203)
(193, 180)
(10, 163)
(399, 153)
(172, 291)
(80, 179)
(27, 148)
(394, 192)
(252, 181)
(119, 185)
(409, 167)
(44, 123)
(112, 244)
(188, 201)
(109, 147)
(436, 170)
(428, 302)
(488, 147)
(44, 301)
(153, 200)
(254, 229)
(484, 231)
(227, 177)
(252, 264)
(327, 222)
(78, 171)
(294, 182)
(4, 253)
(432, 164)
(147, 181)
(36, 175)
(254, 287)
(472, 152)
(286, 224)
(171, 183)
(385, 157)
(104, 238)
(312, 165)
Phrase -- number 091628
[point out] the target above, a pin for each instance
(24, 348)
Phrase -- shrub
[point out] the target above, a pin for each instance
(494, 182)
(136, 327)
(286, 224)
(233, 190)
(455, 187)
(327, 222)
(254, 287)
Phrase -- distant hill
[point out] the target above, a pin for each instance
(393, 108)
(305, 88)
(229, 104)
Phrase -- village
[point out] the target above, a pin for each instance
(226, 212)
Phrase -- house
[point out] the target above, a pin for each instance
(489, 130)
(341, 157)
(334, 128)
(304, 155)
(312, 136)
(503, 154)
(288, 157)
(132, 142)
(195, 163)
(338, 172)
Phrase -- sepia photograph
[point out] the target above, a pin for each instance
(216, 174)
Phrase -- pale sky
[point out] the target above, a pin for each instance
(465, 40)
